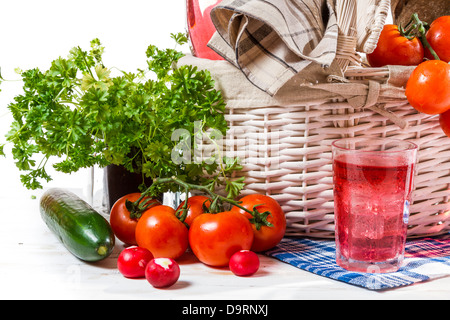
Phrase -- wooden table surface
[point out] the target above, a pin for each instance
(35, 265)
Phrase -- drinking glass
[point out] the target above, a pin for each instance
(373, 181)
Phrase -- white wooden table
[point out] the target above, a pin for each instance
(35, 265)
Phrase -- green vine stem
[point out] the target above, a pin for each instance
(259, 219)
(417, 28)
(138, 207)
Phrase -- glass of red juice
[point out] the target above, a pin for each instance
(373, 181)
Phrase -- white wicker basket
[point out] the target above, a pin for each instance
(287, 154)
(297, 171)
(285, 141)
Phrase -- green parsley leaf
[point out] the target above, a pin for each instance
(77, 113)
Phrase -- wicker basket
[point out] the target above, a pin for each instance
(285, 141)
(295, 143)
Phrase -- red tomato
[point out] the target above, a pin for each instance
(395, 49)
(444, 121)
(428, 86)
(161, 232)
(162, 272)
(438, 36)
(195, 207)
(132, 261)
(266, 237)
(121, 223)
(244, 263)
(215, 237)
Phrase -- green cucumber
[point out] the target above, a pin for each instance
(82, 230)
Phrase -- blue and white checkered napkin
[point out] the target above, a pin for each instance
(425, 259)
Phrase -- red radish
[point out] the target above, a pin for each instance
(244, 263)
(133, 260)
(162, 272)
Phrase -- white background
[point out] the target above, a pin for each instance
(35, 32)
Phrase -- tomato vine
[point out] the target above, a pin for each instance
(417, 28)
(218, 201)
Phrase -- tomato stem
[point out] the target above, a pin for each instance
(258, 219)
(216, 203)
(420, 28)
(181, 213)
(138, 207)
(407, 33)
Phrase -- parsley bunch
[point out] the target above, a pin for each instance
(77, 112)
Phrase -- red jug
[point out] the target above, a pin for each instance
(201, 28)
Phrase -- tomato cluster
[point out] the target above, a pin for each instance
(428, 87)
(397, 46)
(255, 224)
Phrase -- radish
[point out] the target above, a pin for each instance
(244, 263)
(132, 261)
(162, 272)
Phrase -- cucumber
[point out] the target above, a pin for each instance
(82, 230)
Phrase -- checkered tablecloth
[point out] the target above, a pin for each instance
(425, 259)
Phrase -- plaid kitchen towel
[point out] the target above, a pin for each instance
(425, 259)
(273, 40)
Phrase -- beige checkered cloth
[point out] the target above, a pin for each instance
(273, 40)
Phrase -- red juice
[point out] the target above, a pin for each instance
(372, 212)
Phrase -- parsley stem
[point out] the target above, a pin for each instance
(85, 62)
(59, 93)
(42, 161)
(17, 133)
(222, 169)
(70, 102)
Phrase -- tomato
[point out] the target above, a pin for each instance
(428, 87)
(244, 263)
(162, 272)
(122, 224)
(160, 231)
(444, 121)
(195, 207)
(438, 36)
(132, 261)
(394, 49)
(266, 237)
(215, 237)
